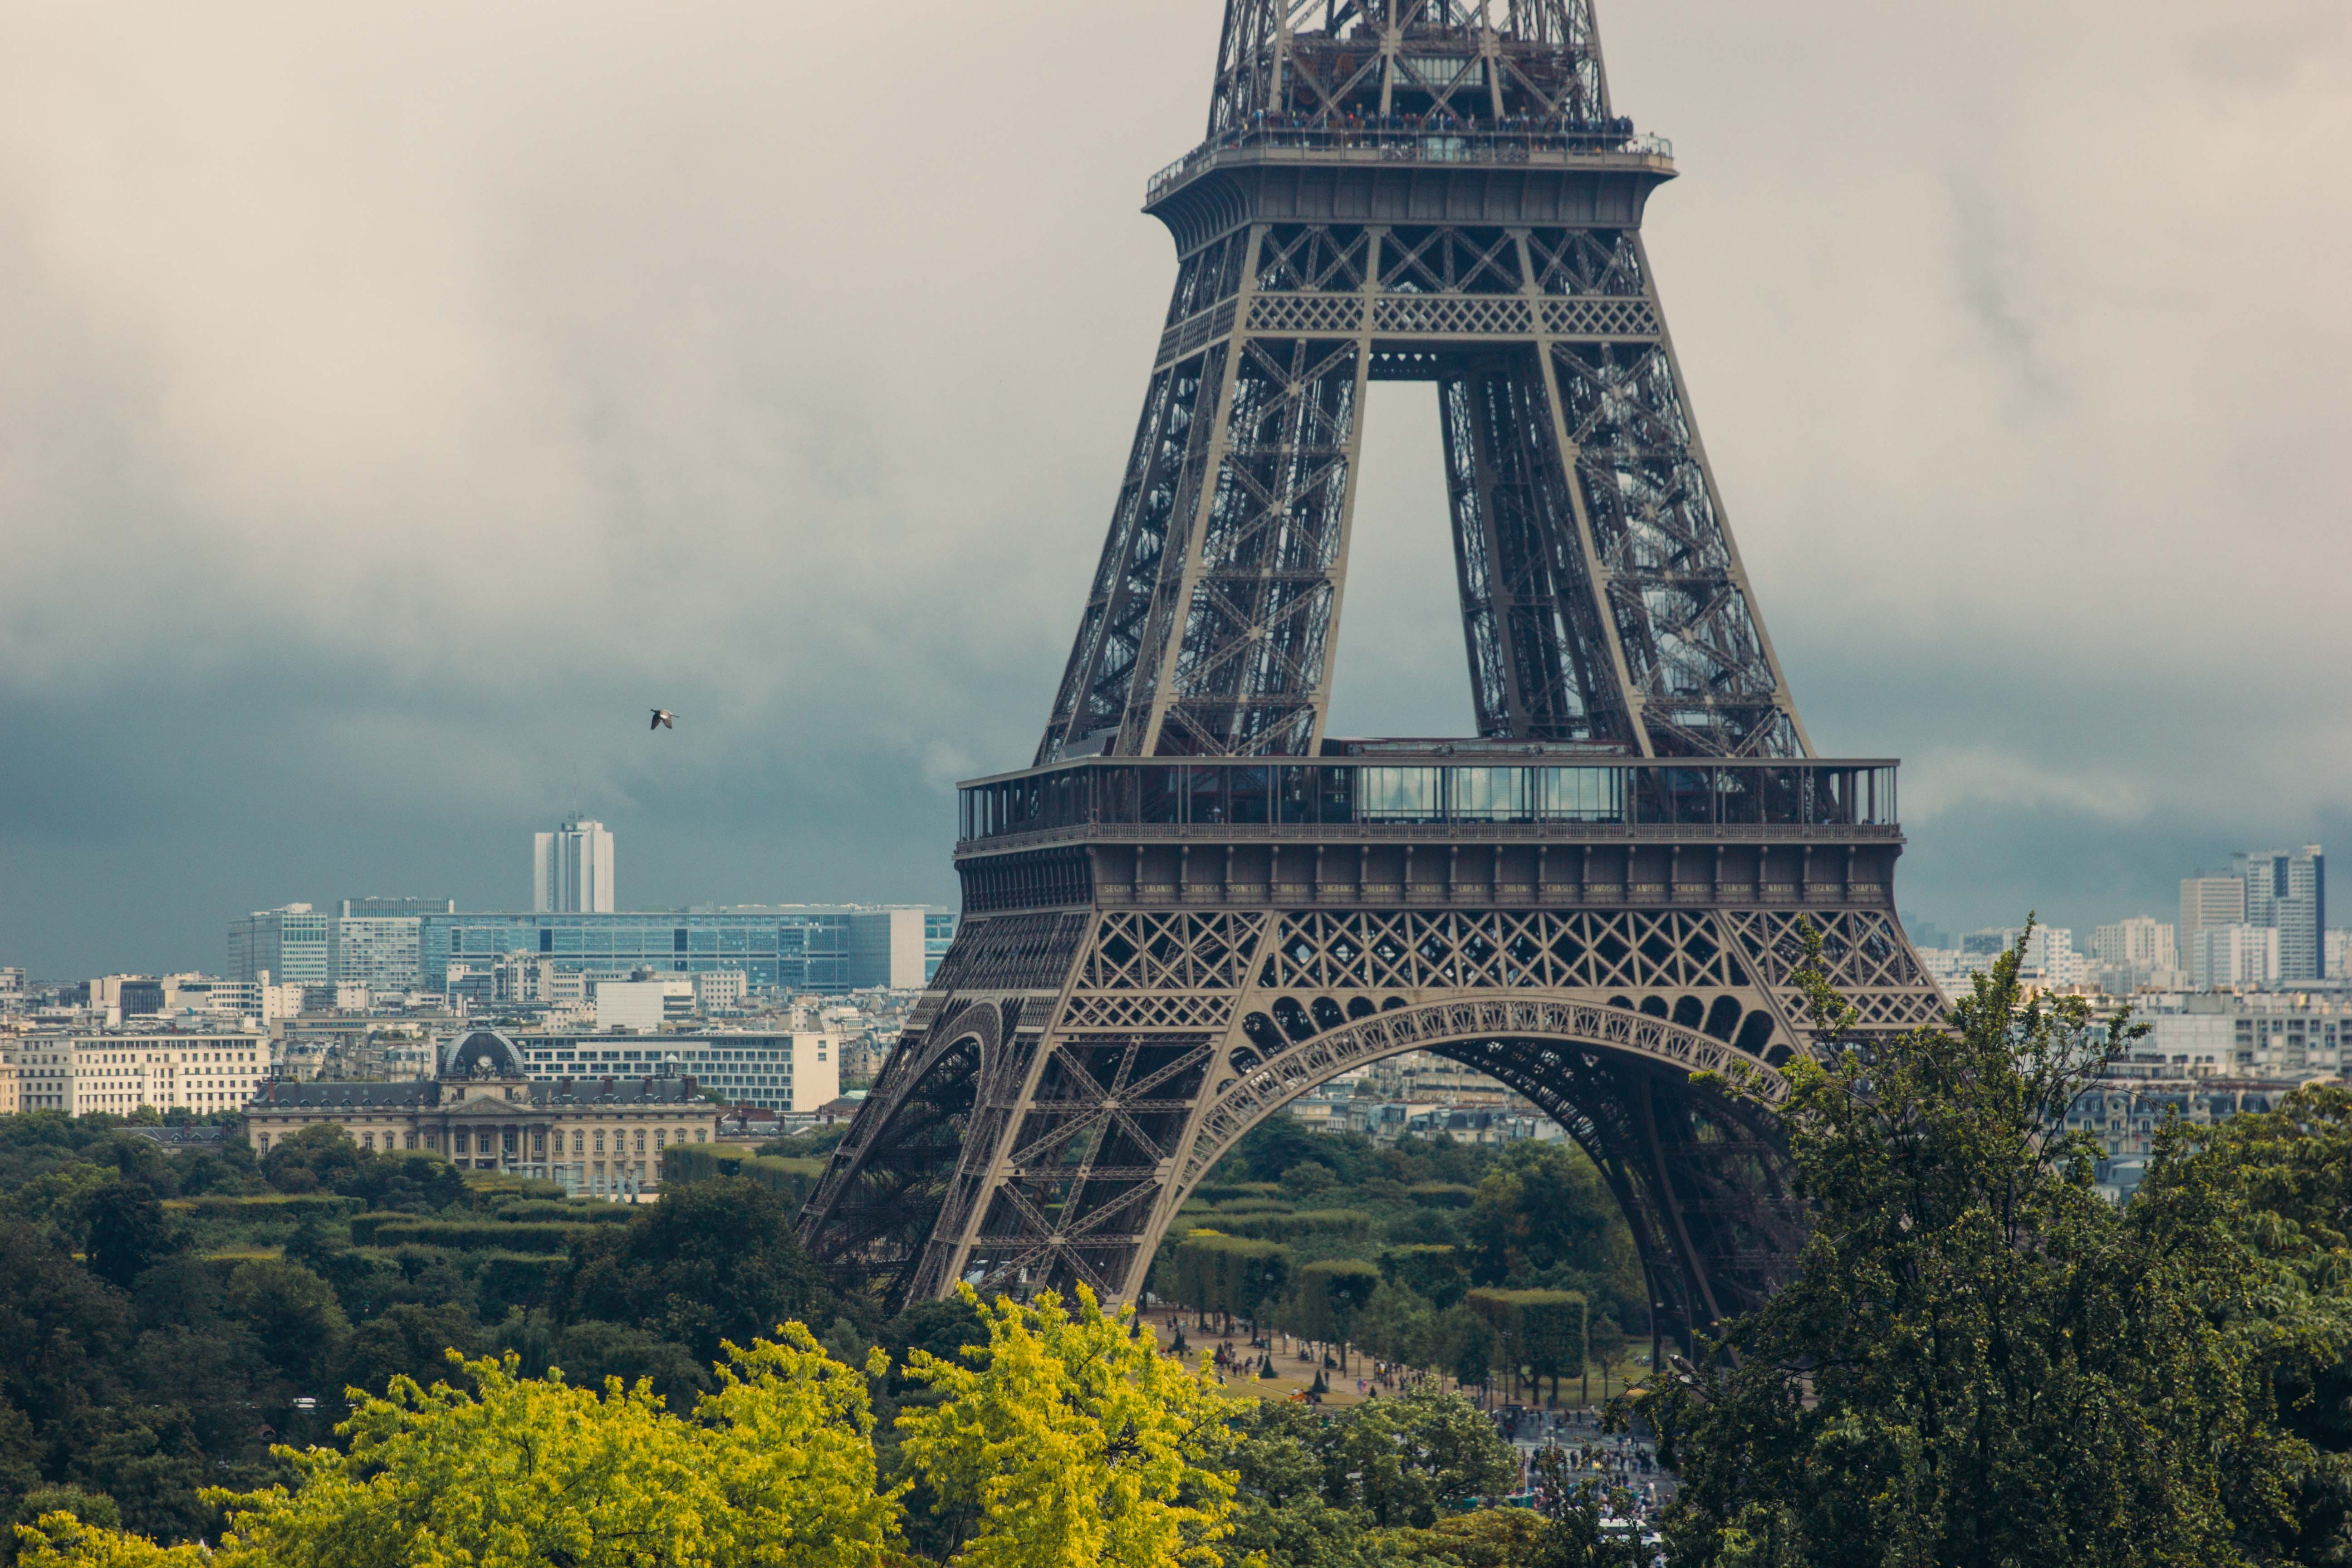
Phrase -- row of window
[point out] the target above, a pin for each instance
(508, 1140)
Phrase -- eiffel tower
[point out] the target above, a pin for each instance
(1195, 905)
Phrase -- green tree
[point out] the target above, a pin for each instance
(712, 1262)
(1544, 1207)
(1071, 1443)
(1403, 1460)
(408, 1339)
(1981, 1359)
(1542, 1331)
(1231, 1275)
(1331, 1292)
(125, 1232)
(295, 1316)
(1433, 1272)
(2279, 1186)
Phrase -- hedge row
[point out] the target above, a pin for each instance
(1227, 1192)
(578, 1211)
(466, 1235)
(1442, 1195)
(794, 1180)
(291, 1207)
(1343, 1224)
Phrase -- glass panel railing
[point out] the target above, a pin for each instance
(1661, 795)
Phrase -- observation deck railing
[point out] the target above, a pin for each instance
(1149, 792)
(1418, 139)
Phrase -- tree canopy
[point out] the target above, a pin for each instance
(1983, 1360)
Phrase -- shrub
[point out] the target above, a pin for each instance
(790, 1179)
(1442, 1195)
(1337, 1225)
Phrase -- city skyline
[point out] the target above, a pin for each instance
(2030, 471)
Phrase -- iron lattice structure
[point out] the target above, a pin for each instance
(1195, 906)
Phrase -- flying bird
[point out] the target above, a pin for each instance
(663, 719)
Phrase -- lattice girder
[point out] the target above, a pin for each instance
(1433, 191)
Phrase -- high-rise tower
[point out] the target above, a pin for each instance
(1195, 904)
(572, 869)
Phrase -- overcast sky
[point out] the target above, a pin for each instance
(397, 402)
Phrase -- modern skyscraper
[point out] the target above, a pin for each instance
(572, 869)
(2208, 900)
(2286, 892)
(289, 945)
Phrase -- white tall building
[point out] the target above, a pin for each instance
(2239, 955)
(2208, 900)
(572, 869)
(378, 952)
(2139, 942)
(2286, 892)
(2050, 958)
(288, 945)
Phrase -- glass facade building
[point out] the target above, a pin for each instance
(780, 949)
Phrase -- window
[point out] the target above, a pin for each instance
(463, 1141)
(579, 1143)
(661, 1139)
(600, 1140)
(641, 1140)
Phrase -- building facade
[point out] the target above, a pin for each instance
(788, 1073)
(2208, 900)
(598, 1136)
(2233, 955)
(379, 951)
(2140, 943)
(288, 945)
(2286, 892)
(119, 1072)
(572, 869)
(786, 948)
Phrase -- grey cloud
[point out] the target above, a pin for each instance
(396, 405)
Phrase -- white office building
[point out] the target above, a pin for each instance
(572, 869)
(205, 1071)
(644, 1006)
(785, 1073)
(719, 990)
(2050, 960)
(2140, 943)
(2207, 900)
(288, 945)
(378, 952)
(2286, 892)
(2234, 955)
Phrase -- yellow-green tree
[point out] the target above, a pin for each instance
(515, 1472)
(1070, 1444)
(791, 1438)
(776, 1470)
(61, 1541)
